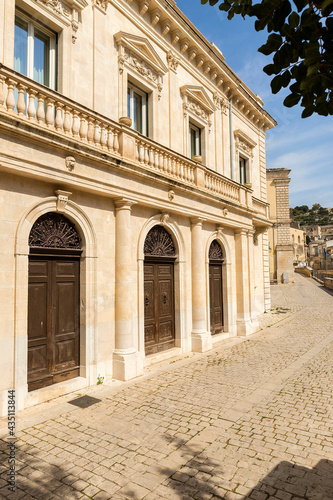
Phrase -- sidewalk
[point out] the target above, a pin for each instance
(251, 419)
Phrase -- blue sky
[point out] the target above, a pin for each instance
(303, 145)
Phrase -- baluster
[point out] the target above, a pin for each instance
(156, 158)
(97, 134)
(174, 166)
(67, 120)
(192, 175)
(115, 141)
(59, 117)
(170, 164)
(181, 170)
(151, 157)
(21, 100)
(49, 112)
(110, 139)
(41, 109)
(146, 154)
(83, 127)
(90, 134)
(161, 161)
(76, 124)
(2, 93)
(141, 152)
(32, 105)
(137, 150)
(104, 137)
(10, 101)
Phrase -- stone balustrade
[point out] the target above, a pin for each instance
(259, 206)
(165, 161)
(46, 108)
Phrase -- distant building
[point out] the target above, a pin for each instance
(280, 247)
(298, 241)
(319, 232)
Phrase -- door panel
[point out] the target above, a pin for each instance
(159, 306)
(216, 299)
(53, 320)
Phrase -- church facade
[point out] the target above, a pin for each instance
(133, 197)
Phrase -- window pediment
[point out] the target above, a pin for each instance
(199, 96)
(244, 143)
(197, 103)
(141, 50)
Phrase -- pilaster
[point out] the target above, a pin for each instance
(201, 338)
(127, 362)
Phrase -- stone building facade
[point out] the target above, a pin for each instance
(298, 241)
(281, 249)
(133, 197)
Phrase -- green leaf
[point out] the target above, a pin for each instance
(269, 69)
(294, 19)
(276, 84)
(308, 111)
(291, 100)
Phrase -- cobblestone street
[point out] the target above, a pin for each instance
(253, 418)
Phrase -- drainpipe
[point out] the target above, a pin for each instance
(231, 141)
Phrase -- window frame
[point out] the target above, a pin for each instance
(198, 139)
(131, 89)
(242, 170)
(33, 25)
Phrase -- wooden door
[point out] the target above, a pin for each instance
(216, 299)
(159, 306)
(53, 320)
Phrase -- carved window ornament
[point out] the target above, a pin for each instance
(215, 251)
(53, 230)
(197, 103)
(158, 243)
(137, 55)
(67, 11)
(243, 143)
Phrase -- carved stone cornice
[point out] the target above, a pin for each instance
(173, 61)
(102, 5)
(68, 10)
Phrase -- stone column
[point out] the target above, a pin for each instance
(127, 362)
(242, 282)
(201, 339)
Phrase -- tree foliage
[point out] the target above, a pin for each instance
(301, 42)
(315, 215)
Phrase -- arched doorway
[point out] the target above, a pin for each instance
(159, 301)
(215, 287)
(53, 301)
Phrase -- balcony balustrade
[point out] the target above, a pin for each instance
(36, 104)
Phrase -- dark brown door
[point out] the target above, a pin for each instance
(159, 306)
(215, 296)
(53, 320)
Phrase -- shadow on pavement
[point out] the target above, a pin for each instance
(291, 481)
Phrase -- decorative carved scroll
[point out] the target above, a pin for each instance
(215, 251)
(54, 231)
(159, 243)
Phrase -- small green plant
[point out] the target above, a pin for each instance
(100, 380)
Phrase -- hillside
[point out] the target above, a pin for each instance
(310, 216)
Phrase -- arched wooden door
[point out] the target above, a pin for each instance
(215, 288)
(53, 301)
(159, 315)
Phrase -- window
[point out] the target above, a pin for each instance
(316, 251)
(242, 170)
(35, 50)
(137, 109)
(195, 140)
